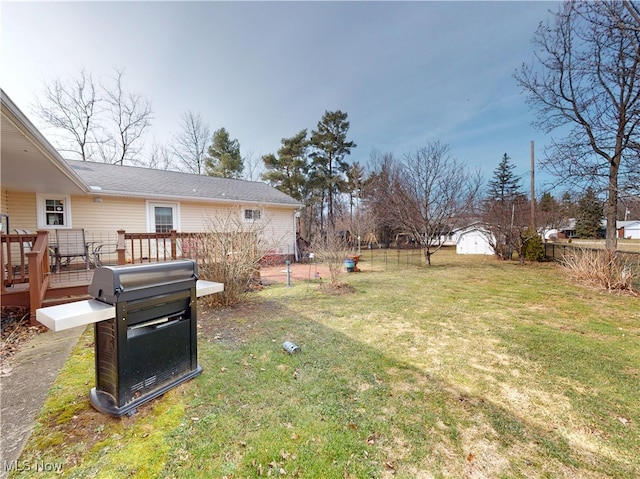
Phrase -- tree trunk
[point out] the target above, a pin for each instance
(427, 256)
(611, 213)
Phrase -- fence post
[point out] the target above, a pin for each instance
(121, 248)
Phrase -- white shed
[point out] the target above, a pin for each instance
(629, 229)
(474, 240)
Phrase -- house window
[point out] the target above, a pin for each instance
(252, 214)
(54, 211)
(162, 217)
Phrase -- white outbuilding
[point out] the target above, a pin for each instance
(628, 229)
(474, 239)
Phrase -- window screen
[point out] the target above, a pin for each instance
(251, 214)
(54, 211)
(163, 219)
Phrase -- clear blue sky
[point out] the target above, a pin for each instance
(405, 73)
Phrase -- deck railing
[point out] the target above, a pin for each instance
(154, 247)
(25, 259)
(38, 272)
(13, 257)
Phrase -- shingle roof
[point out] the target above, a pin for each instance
(108, 179)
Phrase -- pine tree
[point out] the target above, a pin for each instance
(505, 185)
(589, 216)
(330, 149)
(288, 170)
(224, 157)
(503, 206)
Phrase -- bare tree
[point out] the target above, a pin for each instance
(433, 192)
(104, 121)
(190, 143)
(160, 157)
(71, 109)
(131, 115)
(331, 248)
(253, 166)
(381, 185)
(586, 76)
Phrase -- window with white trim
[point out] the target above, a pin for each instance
(54, 211)
(252, 215)
(162, 217)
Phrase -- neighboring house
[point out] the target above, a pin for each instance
(628, 229)
(41, 190)
(474, 239)
(565, 230)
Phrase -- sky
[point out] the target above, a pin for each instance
(406, 73)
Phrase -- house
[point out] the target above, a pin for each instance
(135, 213)
(474, 239)
(43, 191)
(628, 229)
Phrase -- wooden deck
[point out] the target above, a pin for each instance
(35, 275)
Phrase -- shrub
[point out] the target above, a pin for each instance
(602, 268)
(230, 253)
(332, 250)
(533, 249)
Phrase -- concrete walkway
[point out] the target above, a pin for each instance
(24, 388)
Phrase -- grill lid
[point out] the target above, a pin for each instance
(111, 282)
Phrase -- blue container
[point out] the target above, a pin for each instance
(350, 265)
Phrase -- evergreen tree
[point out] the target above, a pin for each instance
(548, 203)
(288, 170)
(589, 216)
(330, 149)
(551, 214)
(505, 185)
(224, 157)
(503, 207)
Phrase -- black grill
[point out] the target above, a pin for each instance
(150, 346)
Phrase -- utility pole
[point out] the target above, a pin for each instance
(533, 193)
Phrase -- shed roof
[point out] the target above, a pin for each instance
(131, 181)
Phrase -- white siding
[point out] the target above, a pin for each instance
(473, 242)
(279, 231)
(109, 215)
(632, 230)
(21, 208)
(101, 218)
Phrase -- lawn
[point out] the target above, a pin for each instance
(471, 368)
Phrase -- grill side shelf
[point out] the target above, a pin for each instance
(81, 313)
(70, 315)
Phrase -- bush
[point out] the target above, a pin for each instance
(602, 268)
(533, 249)
(230, 253)
(332, 250)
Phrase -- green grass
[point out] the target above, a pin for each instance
(470, 368)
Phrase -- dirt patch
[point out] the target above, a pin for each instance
(16, 330)
(237, 324)
(337, 290)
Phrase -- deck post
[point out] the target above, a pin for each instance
(121, 248)
(38, 259)
(174, 241)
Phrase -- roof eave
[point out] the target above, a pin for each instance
(20, 120)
